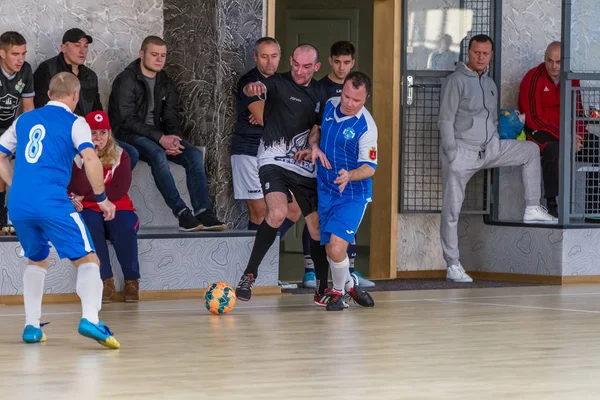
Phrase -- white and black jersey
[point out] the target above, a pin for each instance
(291, 111)
(12, 88)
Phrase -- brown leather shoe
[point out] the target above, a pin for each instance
(132, 291)
(108, 291)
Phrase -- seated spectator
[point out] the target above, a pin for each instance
(122, 230)
(143, 111)
(16, 88)
(74, 50)
(539, 100)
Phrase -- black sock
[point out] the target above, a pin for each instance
(551, 201)
(252, 226)
(3, 211)
(319, 257)
(287, 224)
(265, 236)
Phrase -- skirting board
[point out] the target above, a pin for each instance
(495, 276)
(182, 294)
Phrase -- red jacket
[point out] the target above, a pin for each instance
(117, 180)
(539, 100)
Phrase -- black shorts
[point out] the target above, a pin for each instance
(278, 179)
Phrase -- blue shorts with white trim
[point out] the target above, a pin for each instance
(68, 235)
(340, 216)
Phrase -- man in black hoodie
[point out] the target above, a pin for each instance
(73, 52)
(143, 112)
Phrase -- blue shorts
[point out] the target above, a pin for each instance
(68, 235)
(340, 216)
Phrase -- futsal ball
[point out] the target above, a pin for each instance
(219, 298)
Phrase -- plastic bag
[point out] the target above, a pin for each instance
(510, 124)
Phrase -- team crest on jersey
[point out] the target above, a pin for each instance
(349, 133)
(20, 86)
(373, 154)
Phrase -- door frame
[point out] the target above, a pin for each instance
(387, 39)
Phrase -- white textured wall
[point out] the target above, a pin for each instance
(117, 27)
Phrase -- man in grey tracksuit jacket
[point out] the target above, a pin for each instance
(468, 122)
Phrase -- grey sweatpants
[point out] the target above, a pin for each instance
(456, 175)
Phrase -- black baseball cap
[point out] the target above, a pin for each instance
(74, 35)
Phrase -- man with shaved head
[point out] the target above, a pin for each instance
(539, 100)
(293, 108)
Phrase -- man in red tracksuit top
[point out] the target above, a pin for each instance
(539, 100)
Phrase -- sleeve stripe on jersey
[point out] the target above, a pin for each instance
(85, 145)
(5, 150)
(28, 95)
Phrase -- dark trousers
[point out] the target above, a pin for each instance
(134, 155)
(550, 166)
(122, 232)
(191, 159)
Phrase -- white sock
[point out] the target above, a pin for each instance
(339, 271)
(308, 263)
(33, 290)
(89, 290)
(349, 282)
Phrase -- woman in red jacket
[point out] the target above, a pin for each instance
(122, 230)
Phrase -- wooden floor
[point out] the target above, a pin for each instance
(510, 343)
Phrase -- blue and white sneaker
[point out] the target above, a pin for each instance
(31, 334)
(310, 280)
(99, 333)
(362, 282)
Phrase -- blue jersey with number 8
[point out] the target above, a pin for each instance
(44, 142)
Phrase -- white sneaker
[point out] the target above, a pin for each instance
(456, 273)
(538, 215)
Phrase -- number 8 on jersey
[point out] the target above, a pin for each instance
(34, 147)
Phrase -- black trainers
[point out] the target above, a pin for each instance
(209, 221)
(553, 209)
(187, 222)
(244, 289)
(322, 299)
(360, 297)
(336, 302)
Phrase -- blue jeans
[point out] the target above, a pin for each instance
(134, 156)
(191, 159)
(122, 232)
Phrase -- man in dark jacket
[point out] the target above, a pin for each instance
(143, 111)
(74, 50)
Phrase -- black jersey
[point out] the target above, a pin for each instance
(291, 110)
(12, 88)
(333, 89)
(246, 136)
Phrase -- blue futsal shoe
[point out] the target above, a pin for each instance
(31, 334)
(309, 280)
(99, 333)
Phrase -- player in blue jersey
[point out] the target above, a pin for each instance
(45, 142)
(341, 61)
(346, 152)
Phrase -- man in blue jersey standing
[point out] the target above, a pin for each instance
(44, 142)
(346, 150)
